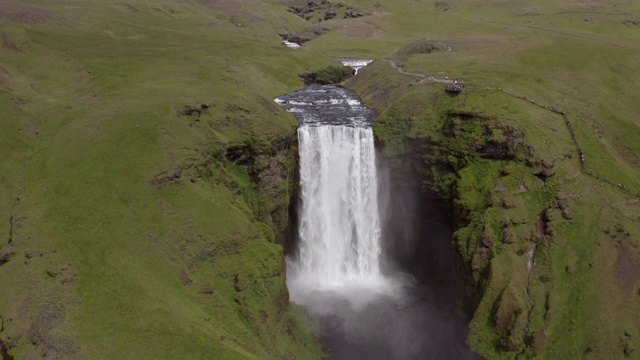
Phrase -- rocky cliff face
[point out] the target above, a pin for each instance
(274, 170)
(508, 203)
(442, 168)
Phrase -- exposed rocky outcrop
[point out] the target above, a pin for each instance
(278, 179)
(305, 35)
(7, 253)
(4, 351)
(41, 334)
(273, 169)
(194, 110)
(323, 10)
(441, 5)
(328, 75)
(166, 178)
(631, 22)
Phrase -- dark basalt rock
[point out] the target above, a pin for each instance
(330, 14)
(628, 350)
(6, 254)
(337, 105)
(166, 178)
(194, 110)
(353, 14)
(323, 10)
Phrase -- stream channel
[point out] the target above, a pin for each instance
(361, 248)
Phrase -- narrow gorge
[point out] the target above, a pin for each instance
(377, 278)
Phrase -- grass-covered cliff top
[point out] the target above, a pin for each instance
(132, 231)
(551, 245)
(127, 232)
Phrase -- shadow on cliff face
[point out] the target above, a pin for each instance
(416, 328)
(427, 318)
(427, 322)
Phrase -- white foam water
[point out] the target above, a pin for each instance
(355, 64)
(339, 230)
(291, 45)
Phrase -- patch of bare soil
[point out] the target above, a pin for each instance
(307, 34)
(631, 22)
(25, 14)
(166, 178)
(441, 5)
(628, 269)
(4, 75)
(8, 44)
(54, 346)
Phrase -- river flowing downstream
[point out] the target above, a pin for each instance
(362, 310)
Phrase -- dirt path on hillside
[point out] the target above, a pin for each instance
(424, 78)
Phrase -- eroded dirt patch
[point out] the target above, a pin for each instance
(628, 269)
(307, 34)
(25, 14)
(54, 346)
(166, 178)
(322, 10)
(4, 75)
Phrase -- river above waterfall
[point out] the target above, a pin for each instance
(339, 270)
(318, 105)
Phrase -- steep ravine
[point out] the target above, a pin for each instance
(425, 316)
(429, 171)
(447, 192)
(435, 227)
(496, 191)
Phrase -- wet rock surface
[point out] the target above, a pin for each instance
(327, 104)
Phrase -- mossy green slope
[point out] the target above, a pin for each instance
(549, 249)
(131, 233)
(133, 133)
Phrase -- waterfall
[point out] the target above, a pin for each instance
(340, 226)
(338, 247)
(335, 270)
(339, 230)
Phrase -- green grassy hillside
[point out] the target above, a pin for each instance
(145, 170)
(128, 231)
(550, 249)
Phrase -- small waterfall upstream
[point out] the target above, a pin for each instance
(336, 271)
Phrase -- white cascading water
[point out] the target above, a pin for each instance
(336, 274)
(339, 222)
(339, 231)
(340, 227)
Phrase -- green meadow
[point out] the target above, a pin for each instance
(129, 229)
